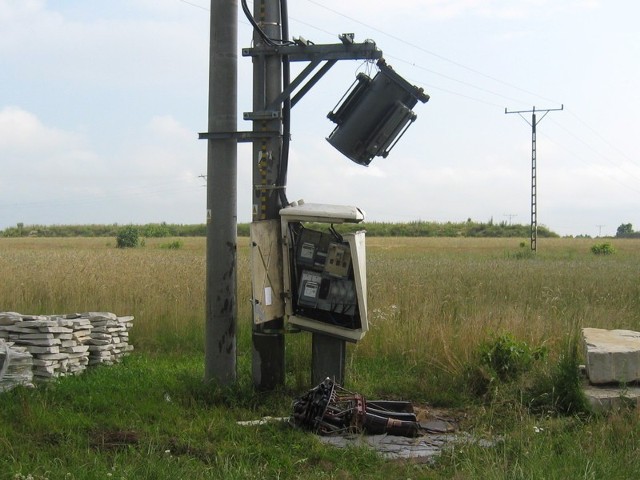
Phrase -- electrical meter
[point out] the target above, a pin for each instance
(324, 271)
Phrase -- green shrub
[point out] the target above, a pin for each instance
(156, 230)
(561, 390)
(508, 358)
(128, 237)
(602, 249)
(175, 245)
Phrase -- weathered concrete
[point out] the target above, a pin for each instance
(612, 356)
(610, 398)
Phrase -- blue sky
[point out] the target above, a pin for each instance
(101, 103)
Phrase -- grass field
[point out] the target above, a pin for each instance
(435, 304)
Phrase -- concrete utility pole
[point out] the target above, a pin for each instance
(268, 363)
(221, 283)
(534, 185)
(272, 101)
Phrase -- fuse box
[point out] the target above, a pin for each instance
(324, 271)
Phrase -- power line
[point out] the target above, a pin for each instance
(601, 137)
(429, 52)
(413, 64)
(580, 159)
(465, 83)
(195, 5)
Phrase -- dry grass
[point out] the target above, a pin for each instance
(430, 299)
(435, 300)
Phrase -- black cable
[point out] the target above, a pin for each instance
(281, 180)
(336, 234)
(247, 12)
(286, 109)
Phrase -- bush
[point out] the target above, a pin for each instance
(156, 230)
(603, 249)
(175, 245)
(128, 237)
(508, 358)
(560, 391)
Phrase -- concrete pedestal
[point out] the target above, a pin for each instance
(612, 356)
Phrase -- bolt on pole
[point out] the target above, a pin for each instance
(221, 263)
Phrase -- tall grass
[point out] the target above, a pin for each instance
(431, 300)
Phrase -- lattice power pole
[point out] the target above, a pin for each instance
(534, 187)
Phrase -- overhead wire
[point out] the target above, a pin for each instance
(582, 160)
(599, 135)
(482, 89)
(596, 152)
(429, 52)
(471, 85)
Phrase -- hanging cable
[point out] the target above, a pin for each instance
(286, 109)
(247, 13)
(272, 42)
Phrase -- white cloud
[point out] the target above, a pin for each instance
(22, 133)
(54, 176)
(167, 127)
(430, 10)
(148, 50)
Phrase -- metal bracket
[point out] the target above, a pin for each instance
(314, 54)
(268, 114)
(238, 136)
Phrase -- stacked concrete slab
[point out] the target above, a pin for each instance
(66, 344)
(612, 367)
(16, 366)
(109, 338)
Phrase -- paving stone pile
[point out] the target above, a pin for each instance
(66, 344)
(16, 366)
(109, 338)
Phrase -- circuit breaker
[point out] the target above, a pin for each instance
(324, 271)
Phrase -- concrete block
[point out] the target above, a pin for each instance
(612, 356)
(604, 399)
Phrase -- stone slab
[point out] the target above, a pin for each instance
(612, 356)
(604, 399)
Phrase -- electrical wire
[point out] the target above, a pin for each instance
(286, 110)
(429, 52)
(273, 42)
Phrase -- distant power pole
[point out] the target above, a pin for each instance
(510, 215)
(534, 186)
(600, 229)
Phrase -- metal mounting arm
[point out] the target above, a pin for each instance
(314, 54)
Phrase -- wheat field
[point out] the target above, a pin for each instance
(431, 300)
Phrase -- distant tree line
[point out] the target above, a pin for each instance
(374, 229)
(149, 230)
(625, 230)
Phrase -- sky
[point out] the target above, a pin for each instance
(101, 104)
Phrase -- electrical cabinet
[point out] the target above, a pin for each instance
(325, 286)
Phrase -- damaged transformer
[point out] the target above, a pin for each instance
(330, 409)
